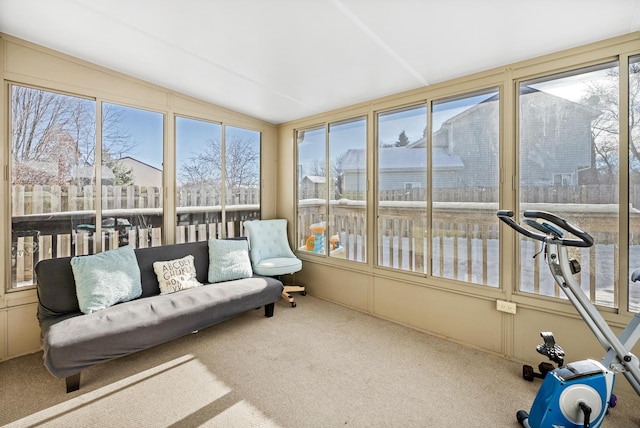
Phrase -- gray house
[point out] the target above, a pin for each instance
(312, 186)
(555, 141)
(401, 168)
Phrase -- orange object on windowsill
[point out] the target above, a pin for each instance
(310, 242)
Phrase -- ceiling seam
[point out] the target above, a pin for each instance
(371, 34)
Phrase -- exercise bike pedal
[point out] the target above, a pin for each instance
(529, 374)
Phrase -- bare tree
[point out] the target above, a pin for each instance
(204, 168)
(42, 148)
(242, 161)
(54, 135)
(603, 96)
(337, 174)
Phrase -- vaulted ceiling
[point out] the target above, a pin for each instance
(279, 60)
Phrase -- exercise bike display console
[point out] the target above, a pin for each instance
(580, 393)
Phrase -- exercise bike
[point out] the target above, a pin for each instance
(577, 394)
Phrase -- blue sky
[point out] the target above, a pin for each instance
(146, 129)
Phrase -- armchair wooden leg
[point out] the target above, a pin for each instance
(292, 289)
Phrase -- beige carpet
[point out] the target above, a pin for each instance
(318, 365)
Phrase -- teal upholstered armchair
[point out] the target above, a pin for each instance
(271, 254)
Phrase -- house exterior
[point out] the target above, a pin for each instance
(556, 138)
(312, 186)
(143, 174)
(401, 168)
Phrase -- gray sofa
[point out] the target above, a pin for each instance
(73, 341)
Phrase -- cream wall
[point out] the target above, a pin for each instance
(28, 64)
(460, 312)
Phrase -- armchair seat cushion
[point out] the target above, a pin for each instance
(277, 266)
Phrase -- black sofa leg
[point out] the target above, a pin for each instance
(268, 310)
(73, 382)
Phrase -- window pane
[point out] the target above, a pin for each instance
(402, 189)
(634, 180)
(312, 190)
(198, 180)
(568, 165)
(132, 149)
(348, 190)
(242, 176)
(52, 178)
(465, 175)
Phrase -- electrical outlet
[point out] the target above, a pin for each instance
(508, 307)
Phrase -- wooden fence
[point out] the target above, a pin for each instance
(583, 194)
(462, 242)
(39, 199)
(59, 221)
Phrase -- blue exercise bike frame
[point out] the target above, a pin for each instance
(578, 394)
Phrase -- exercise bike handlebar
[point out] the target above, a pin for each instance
(551, 234)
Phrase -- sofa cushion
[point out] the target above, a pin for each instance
(80, 341)
(228, 260)
(106, 278)
(175, 275)
(278, 266)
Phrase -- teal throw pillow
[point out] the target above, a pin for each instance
(228, 259)
(107, 278)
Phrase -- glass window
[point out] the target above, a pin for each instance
(52, 178)
(312, 189)
(569, 145)
(198, 180)
(242, 177)
(465, 175)
(347, 229)
(634, 180)
(132, 156)
(402, 189)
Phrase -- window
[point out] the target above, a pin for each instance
(242, 177)
(198, 180)
(53, 178)
(201, 210)
(132, 157)
(465, 183)
(347, 229)
(312, 189)
(332, 189)
(568, 150)
(402, 211)
(634, 180)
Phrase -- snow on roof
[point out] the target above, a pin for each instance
(317, 179)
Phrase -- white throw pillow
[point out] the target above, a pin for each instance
(176, 275)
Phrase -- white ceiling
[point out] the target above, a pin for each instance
(280, 60)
